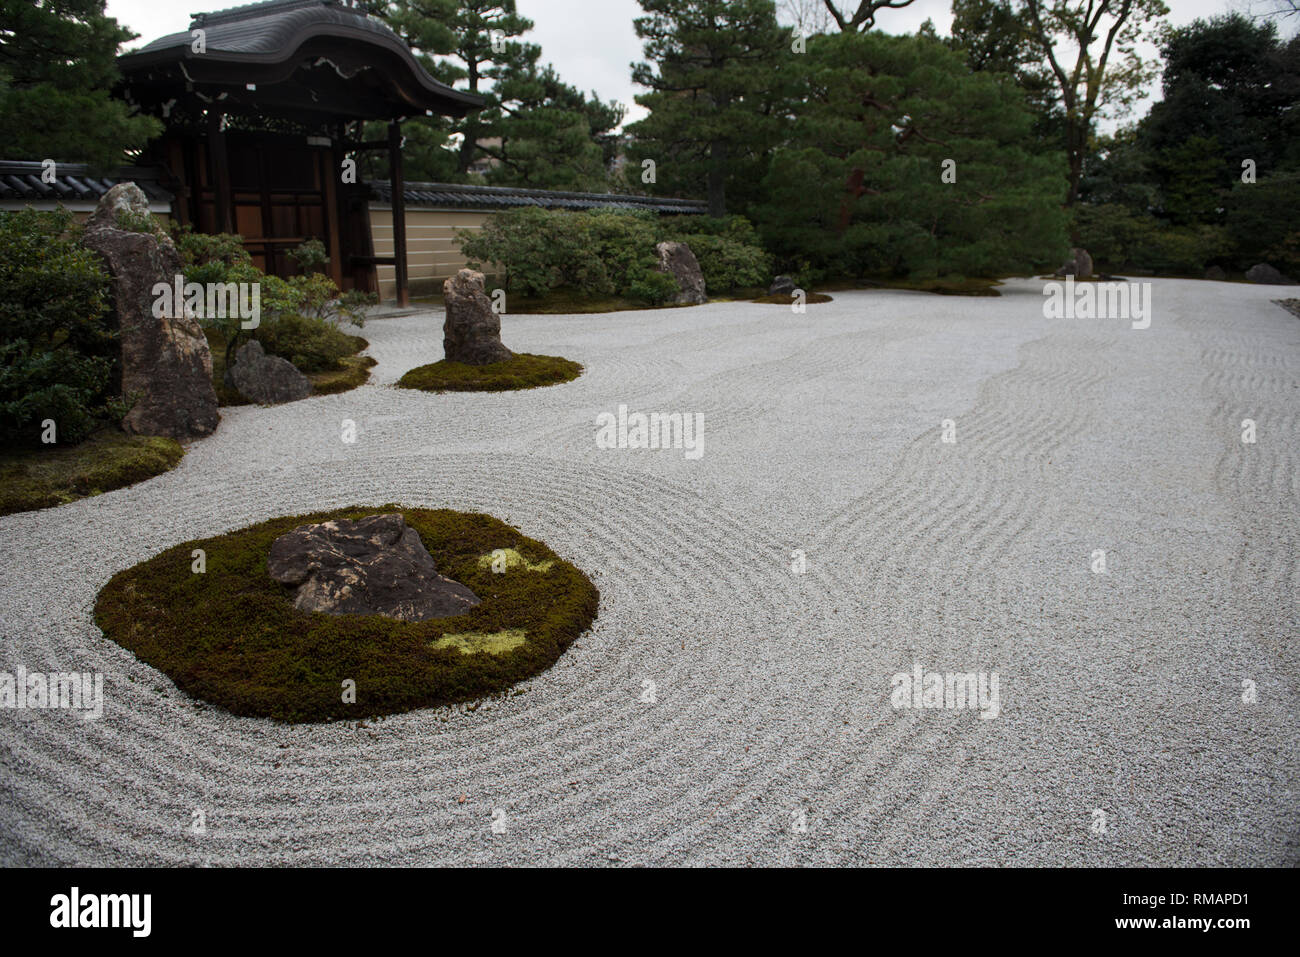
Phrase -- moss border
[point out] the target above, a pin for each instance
(232, 637)
(46, 477)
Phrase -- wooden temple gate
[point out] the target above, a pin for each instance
(263, 106)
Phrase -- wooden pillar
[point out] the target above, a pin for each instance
(332, 162)
(219, 172)
(397, 184)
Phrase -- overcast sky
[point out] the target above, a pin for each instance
(592, 42)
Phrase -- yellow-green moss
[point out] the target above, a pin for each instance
(480, 642)
(522, 372)
(510, 559)
(52, 475)
(232, 637)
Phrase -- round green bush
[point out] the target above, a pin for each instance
(231, 636)
(522, 372)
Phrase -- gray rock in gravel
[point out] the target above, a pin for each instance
(267, 380)
(1266, 275)
(1216, 274)
(374, 566)
(782, 286)
(166, 363)
(1079, 265)
(677, 260)
(471, 333)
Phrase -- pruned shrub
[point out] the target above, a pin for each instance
(610, 252)
(57, 347)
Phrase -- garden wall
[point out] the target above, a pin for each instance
(431, 251)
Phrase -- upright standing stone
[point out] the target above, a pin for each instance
(677, 260)
(471, 332)
(166, 363)
(1079, 265)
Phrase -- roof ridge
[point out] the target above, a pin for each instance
(251, 11)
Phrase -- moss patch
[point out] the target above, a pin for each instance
(812, 297)
(949, 286)
(232, 636)
(52, 475)
(353, 372)
(522, 372)
(482, 643)
(504, 560)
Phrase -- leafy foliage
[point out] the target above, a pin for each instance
(715, 70)
(859, 190)
(57, 349)
(57, 66)
(608, 252)
(299, 315)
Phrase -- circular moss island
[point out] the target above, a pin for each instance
(232, 636)
(523, 371)
(779, 300)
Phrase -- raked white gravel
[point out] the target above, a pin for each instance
(771, 738)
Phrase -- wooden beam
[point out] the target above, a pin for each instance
(398, 185)
(219, 172)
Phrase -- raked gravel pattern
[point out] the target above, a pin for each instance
(771, 738)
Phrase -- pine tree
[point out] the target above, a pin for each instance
(715, 104)
(58, 63)
(903, 162)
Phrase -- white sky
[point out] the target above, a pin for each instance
(592, 42)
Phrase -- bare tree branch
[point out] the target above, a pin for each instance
(864, 18)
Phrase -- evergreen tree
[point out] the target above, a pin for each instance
(860, 188)
(715, 70)
(58, 63)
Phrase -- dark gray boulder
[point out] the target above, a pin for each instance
(267, 380)
(1266, 275)
(1216, 274)
(471, 333)
(677, 260)
(782, 286)
(166, 363)
(374, 566)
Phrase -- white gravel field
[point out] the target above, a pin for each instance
(771, 738)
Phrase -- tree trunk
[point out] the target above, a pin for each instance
(718, 179)
(470, 143)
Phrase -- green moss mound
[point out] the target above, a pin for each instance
(232, 637)
(812, 297)
(52, 475)
(522, 372)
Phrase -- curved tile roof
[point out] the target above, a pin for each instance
(273, 32)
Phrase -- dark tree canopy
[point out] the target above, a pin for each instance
(57, 66)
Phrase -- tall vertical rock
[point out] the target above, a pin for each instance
(677, 260)
(471, 332)
(166, 363)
